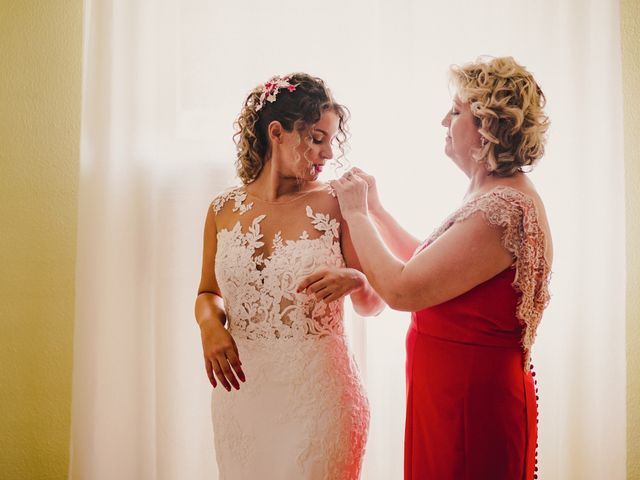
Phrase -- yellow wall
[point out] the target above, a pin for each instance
(40, 86)
(630, 27)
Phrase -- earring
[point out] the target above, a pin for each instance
(482, 141)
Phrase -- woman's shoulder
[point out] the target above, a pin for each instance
(322, 200)
(524, 194)
(514, 196)
(518, 208)
(236, 193)
(518, 189)
(502, 204)
(323, 189)
(323, 194)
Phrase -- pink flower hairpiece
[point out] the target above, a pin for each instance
(271, 89)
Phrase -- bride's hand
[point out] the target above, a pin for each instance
(331, 284)
(351, 190)
(221, 355)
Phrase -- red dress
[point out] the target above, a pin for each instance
(471, 397)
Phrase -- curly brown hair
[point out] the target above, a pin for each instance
(299, 110)
(508, 107)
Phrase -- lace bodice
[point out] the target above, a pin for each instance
(258, 273)
(303, 386)
(523, 237)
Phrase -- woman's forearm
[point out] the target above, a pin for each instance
(209, 309)
(380, 266)
(401, 243)
(366, 301)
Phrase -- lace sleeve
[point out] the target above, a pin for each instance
(524, 238)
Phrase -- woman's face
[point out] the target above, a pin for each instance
(462, 133)
(304, 157)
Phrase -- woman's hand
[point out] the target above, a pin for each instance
(221, 355)
(331, 284)
(373, 200)
(351, 190)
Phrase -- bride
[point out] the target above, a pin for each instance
(293, 406)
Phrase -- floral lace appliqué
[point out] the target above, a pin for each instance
(303, 386)
(237, 195)
(266, 304)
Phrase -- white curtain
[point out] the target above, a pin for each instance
(163, 81)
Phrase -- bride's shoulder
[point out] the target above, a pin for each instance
(322, 196)
(323, 191)
(235, 193)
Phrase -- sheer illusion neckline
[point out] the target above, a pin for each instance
(261, 255)
(280, 202)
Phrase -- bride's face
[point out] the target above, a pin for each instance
(304, 154)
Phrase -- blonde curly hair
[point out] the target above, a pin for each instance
(298, 110)
(507, 104)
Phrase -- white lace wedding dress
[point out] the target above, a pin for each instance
(302, 413)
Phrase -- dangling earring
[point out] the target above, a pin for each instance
(483, 142)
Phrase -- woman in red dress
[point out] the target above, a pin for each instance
(477, 287)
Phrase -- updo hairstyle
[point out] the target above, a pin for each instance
(299, 109)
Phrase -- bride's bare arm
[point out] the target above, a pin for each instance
(332, 283)
(365, 300)
(221, 357)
